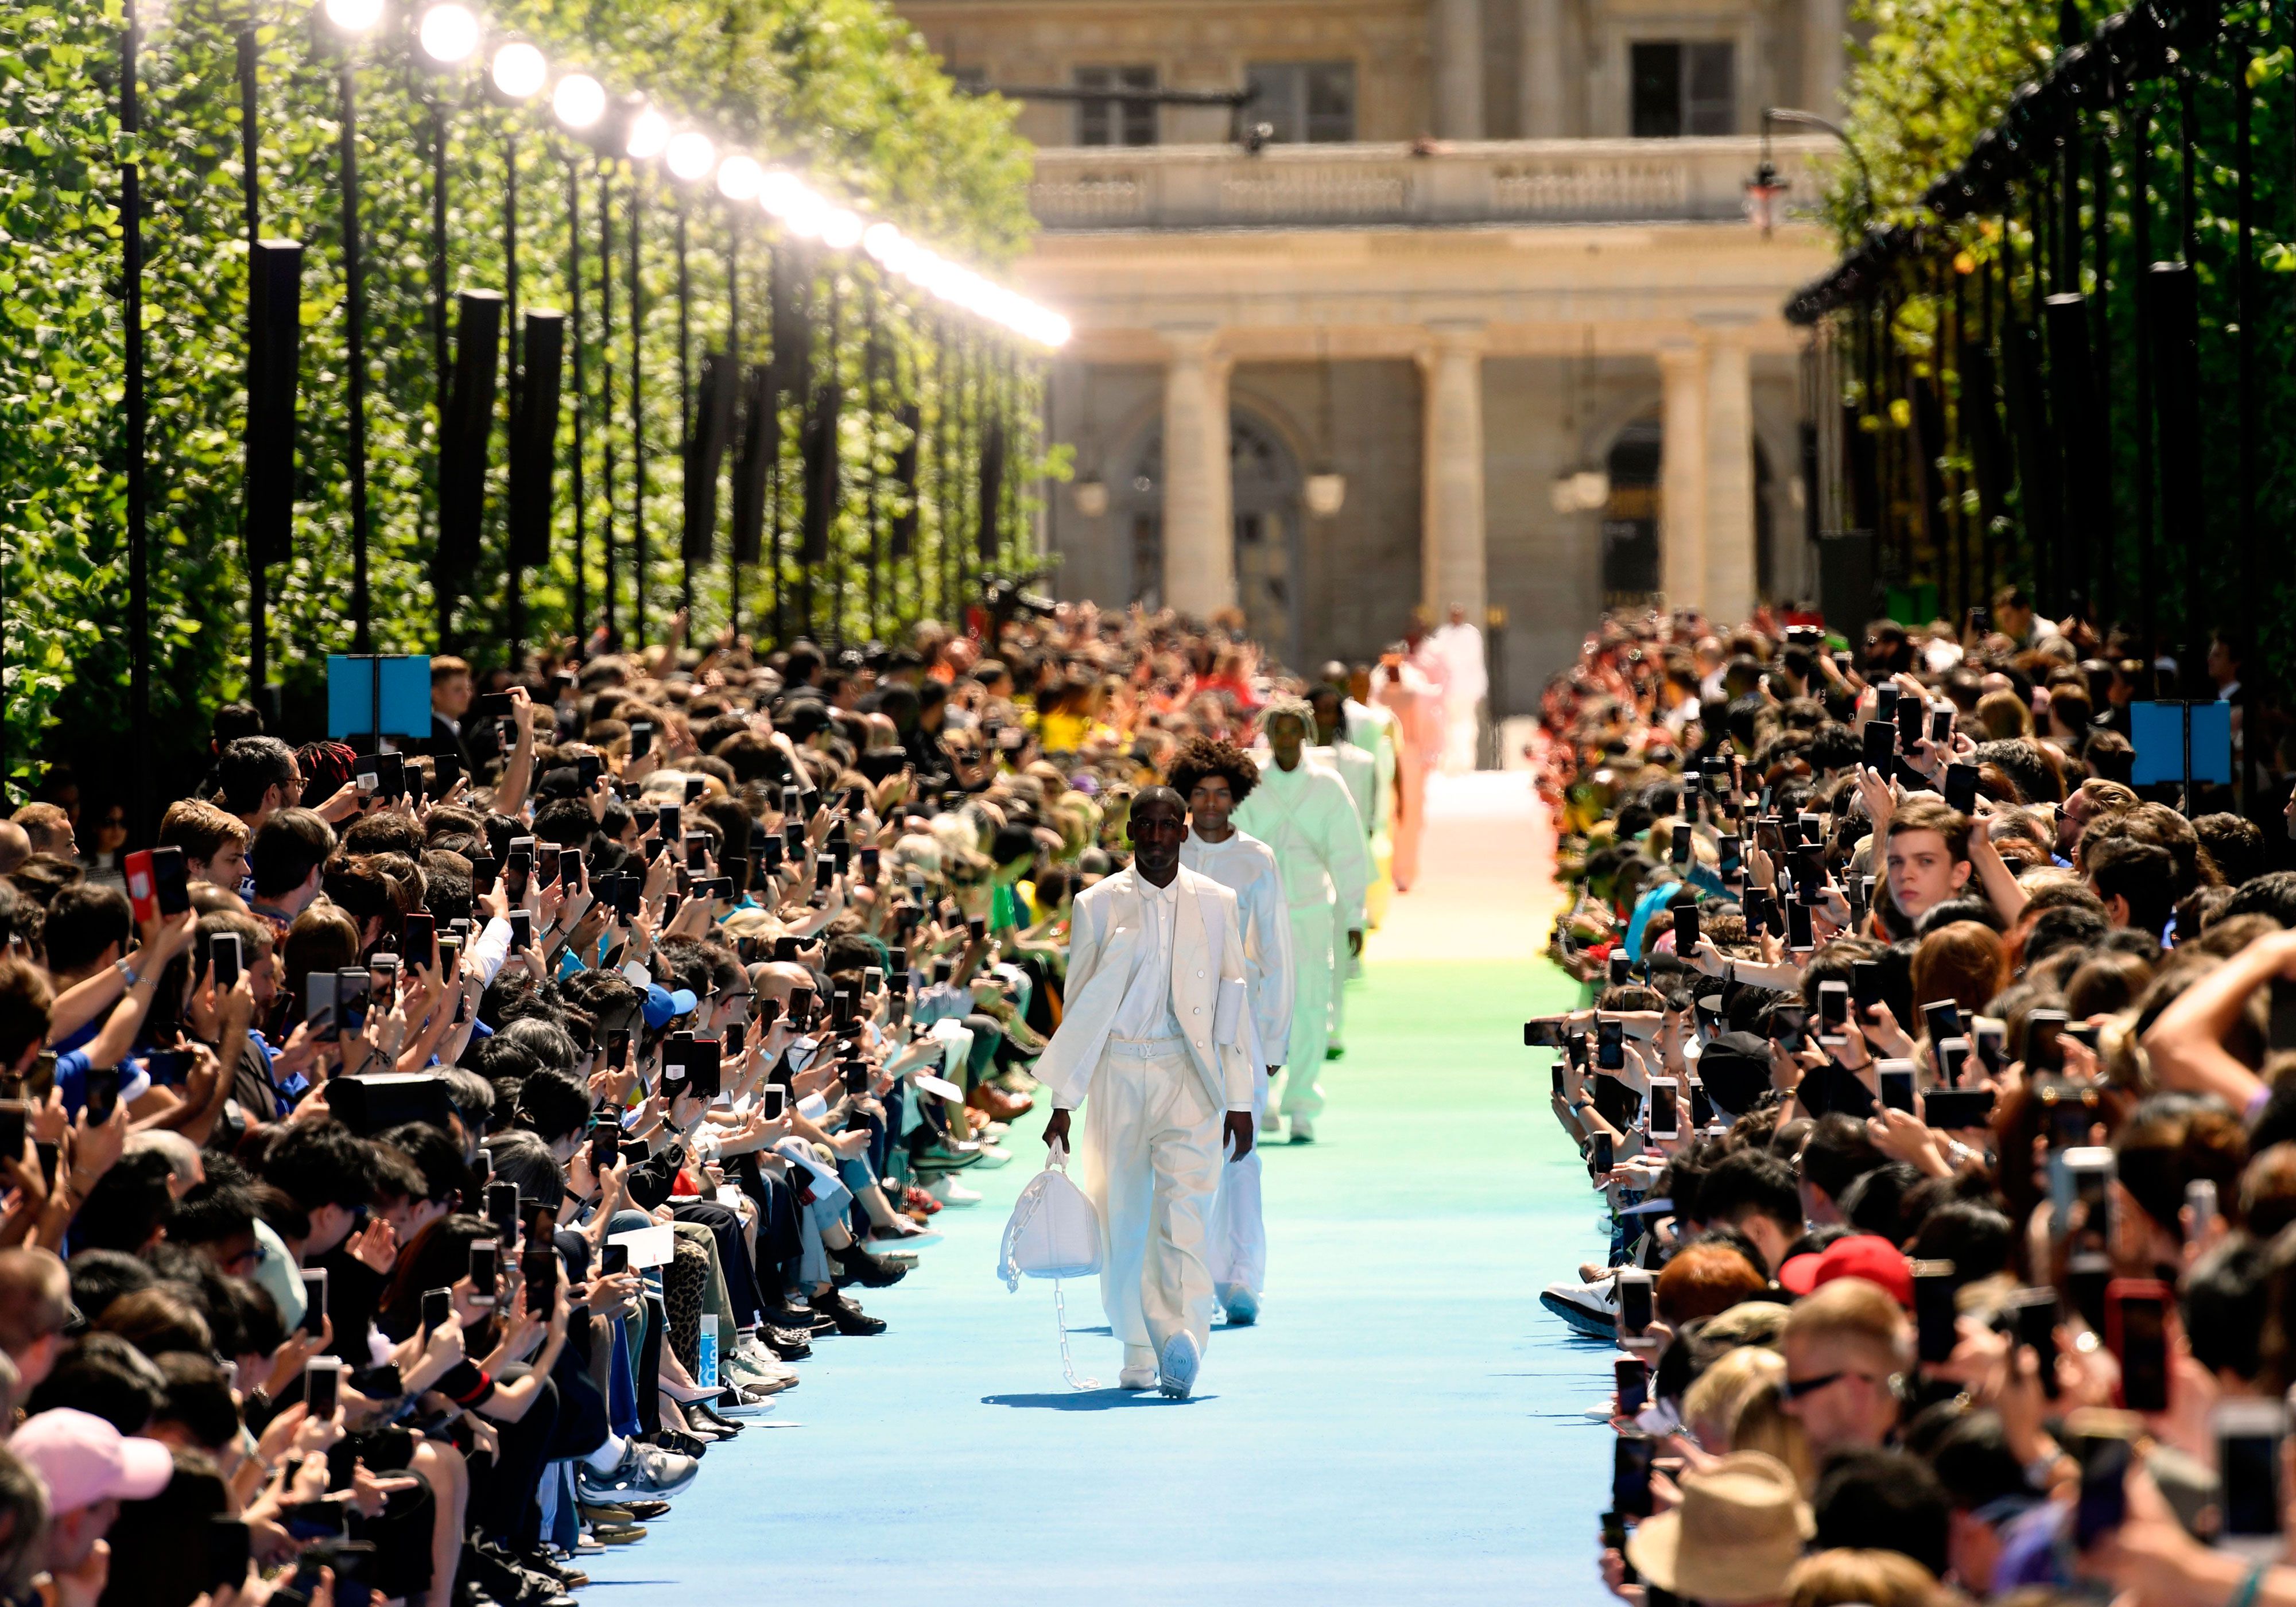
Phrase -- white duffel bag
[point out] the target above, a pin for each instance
(1053, 1234)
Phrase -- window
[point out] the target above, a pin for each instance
(1304, 102)
(973, 80)
(1683, 88)
(1116, 122)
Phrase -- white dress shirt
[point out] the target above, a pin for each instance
(1146, 1011)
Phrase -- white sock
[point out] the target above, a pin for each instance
(608, 1456)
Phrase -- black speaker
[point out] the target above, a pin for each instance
(904, 476)
(705, 455)
(992, 490)
(824, 481)
(275, 346)
(533, 411)
(468, 423)
(761, 432)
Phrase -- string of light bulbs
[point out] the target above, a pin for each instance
(449, 33)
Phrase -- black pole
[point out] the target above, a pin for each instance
(443, 596)
(836, 377)
(2245, 354)
(684, 391)
(869, 360)
(354, 352)
(513, 572)
(776, 586)
(581, 400)
(740, 366)
(637, 417)
(2187, 244)
(251, 186)
(2102, 550)
(2140, 231)
(139, 569)
(606, 379)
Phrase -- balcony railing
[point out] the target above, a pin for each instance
(1080, 189)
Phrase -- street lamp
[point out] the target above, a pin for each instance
(449, 34)
(578, 101)
(689, 156)
(519, 71)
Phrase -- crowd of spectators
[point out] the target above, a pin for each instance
(1937, 1084)
(415, 1161)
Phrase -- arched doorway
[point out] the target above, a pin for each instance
(1630, 518)
(1265, 488)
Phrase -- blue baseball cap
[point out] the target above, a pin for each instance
(661, 1005)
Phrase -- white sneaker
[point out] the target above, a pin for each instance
(1592, 1308)
(1136, 1378)
(1176, 1367)
(948, 1191)
(1271, 1122)
(992, 1156)
(1303, 1131)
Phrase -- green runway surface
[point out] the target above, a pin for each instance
(1405, 1424)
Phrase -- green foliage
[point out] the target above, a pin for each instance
(839, 88)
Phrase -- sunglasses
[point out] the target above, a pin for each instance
(1797, 1389)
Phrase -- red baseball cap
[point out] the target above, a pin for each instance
(1867, 1256)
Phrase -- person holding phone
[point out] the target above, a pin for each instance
(1153, 1045)
(1215, 776)
(1306, 815)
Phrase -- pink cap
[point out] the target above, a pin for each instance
(83, 1460)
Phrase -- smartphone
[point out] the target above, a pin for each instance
(227, 1554)
(1961, 787)
(1734, 856)
(539, 1265)
(496, 706)
(800, 1007)
(545, 863)
(695, 788)
(1934, 1284)
(353, 988)
(776, 1101)
(1760, 910)
(2083, 1177)
(2248, 1435)
(522, 930)
(502, 1210)
(704, 1068)
(1800, 936)
(1664, 1109)
(1941, 1019)
(1789, 1024)
(171, 882)
(418, 936)
(1605, 1158)
(856, 1079)
(1636, 1289)
(314, 1299)
(1686, 928)
(486, 1270)
(737, 1037)
(484, 869)
(1885, 701)
(2199, 1205)
(1702, 1108)
(136, 871)
(1631, 1474)
(1866, 984)
(2136, 1332)
(1911, 713)
(1952, 1110)
(1545, 1033)
(793, 839)
(1610, 1044)
(670, 817)
(166, 1068)
(605, 1145)
(614, 1259)
(1990, 1039)
(2035, 1313)
(2044, 1054)
(1622, 968)
(1940, 724)
(2281, 1026)
(438, 1307)
(1633, 1378)
(1880, 746)
(1832, 1013)
(1681, 855)
(224, 955)
(1896, 1080)
(322, 1385)
(103, 1085)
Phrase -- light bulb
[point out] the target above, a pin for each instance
(689, 155)
(880, 241)
(449, 34)
(649, 134)
(580, 101)
(807, 214)
(738, 176)
(353, 16)
(778, 191)
(520, 73)
(840, 230)
(1058, 331)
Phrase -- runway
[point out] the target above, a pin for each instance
(1405, 1424)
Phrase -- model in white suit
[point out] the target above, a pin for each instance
(1217, 775)
(1304, 812)
(1153, 1044)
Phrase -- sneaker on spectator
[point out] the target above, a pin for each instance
(948, 1191)
(1591, 1307)
(645, 1470)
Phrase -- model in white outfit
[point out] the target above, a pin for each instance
(1303, 811)
(1152, 1044)
(1246, 867)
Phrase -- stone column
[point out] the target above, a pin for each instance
(1451, 544)
(1540, 73)
(1199, 523)
(1682, 476)
(1458, 78)
(1730, 579)
(1825, 50)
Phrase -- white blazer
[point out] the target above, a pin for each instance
(1207, 953)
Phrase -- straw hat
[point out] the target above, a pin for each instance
(1739, 1532)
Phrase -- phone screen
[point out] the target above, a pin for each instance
(1686, 928)
(103, 1085)
(321, 1382)
(1633, 1385)
(2248, 1467)
(1630, 1475)
(1635, 1310)
(1665, 1114)
(1832, 1010)
(1800, 935)
(1933, 1310)
(1610, 1045)
(1896, 1080)
(2144, 1352)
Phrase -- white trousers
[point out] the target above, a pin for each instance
(1151, 1161)
(1312, 978)
(1239, 1245)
